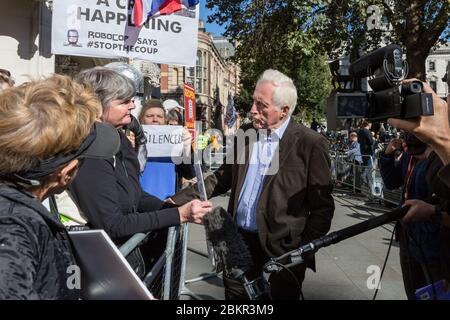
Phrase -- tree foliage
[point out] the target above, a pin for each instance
(270, 35)
(351, 26)
(293, 35)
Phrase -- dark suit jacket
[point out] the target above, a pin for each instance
(295, 205)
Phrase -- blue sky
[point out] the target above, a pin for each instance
(213, 28)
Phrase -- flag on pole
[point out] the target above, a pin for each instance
(143, 9)
(231, 115)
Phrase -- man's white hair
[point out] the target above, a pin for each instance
(285, 92)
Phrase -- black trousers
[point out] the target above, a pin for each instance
(414, 273)
(283, 285)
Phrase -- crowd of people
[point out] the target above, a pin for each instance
(106, 188)
(61, 133)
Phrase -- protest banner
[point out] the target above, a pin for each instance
(104, 28)
(189, 109)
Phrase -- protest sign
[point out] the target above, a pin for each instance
(103, 28)
(164, 141)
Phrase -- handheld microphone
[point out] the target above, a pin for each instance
(136, 128)
(222, 232)
(232, 254)
(140, 141)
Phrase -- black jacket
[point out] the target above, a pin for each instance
(110, 196)
(35, 251)
(365, 141)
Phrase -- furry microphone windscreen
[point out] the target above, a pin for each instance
(228, 244)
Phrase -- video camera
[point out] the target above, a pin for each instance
(390, 98)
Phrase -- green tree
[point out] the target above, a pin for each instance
(284, 32)
(271, 34)
(346, 26)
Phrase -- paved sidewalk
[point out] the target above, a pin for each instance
(342, 269)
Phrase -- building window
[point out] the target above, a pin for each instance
(201, 73)
(198, 85)
(198, 112)
(431, 66)
(176, 77)
(205, 62)
(199, 64)
(433, 85)
(190, 76)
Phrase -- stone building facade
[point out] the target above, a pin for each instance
(214, 76)
(435, 69)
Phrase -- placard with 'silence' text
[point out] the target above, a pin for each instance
(164, 141)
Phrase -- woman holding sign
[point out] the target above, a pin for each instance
(108, 192)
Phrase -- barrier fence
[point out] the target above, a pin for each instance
(362, 179)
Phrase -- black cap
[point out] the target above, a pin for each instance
(103, 142)
(106, 142)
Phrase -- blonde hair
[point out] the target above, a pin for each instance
(40, 119)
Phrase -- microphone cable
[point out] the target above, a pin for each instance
(385, 262)
(424, 267)
(282, 266)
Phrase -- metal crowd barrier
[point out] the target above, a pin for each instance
(166, 274)
(362, 179)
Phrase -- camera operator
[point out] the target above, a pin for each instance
(435, 131)
(419, 240)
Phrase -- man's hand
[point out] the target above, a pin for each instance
(433, 130)
(194, 211)
(419, 210)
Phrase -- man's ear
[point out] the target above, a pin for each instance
(66, 173)
(285, 111)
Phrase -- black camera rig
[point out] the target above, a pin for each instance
(390, 98)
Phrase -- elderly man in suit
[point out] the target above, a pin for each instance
(280, 185)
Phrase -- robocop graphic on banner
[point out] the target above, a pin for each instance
(72, 38)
